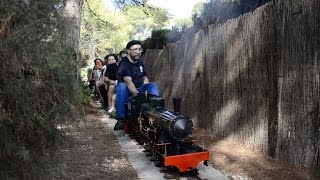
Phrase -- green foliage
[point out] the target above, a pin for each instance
(112, 114)
(105, 30)
(97, 28)
(85, 94)
(144, 19)
(38, 88)
(122, 3)
(159, 38)
(219, 11)
(157, 41)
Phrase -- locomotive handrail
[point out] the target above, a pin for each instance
(162, 144)
(171, 116)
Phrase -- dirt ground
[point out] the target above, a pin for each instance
(92, 152)
(241, 163)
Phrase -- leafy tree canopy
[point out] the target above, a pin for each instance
(218, 11)
(106, 30)
(122, 3)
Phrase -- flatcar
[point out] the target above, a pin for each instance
(166, 135)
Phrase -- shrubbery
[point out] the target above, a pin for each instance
(212, 12)
(159, 38)
(219, 11)
(39, 87)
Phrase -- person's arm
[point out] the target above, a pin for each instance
(145, 80)
(109, 81)
(132, 88)
(103, 72)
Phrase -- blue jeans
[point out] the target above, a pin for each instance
(122, 93)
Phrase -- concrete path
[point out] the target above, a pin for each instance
(146, 169)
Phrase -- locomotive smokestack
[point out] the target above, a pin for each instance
(176, 104)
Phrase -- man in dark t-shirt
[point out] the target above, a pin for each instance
(136, 71)
(132, 79)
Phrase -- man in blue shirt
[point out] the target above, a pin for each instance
(132, 79)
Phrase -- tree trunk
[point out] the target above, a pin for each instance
(72, 12)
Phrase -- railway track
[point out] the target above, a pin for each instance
(178, 176)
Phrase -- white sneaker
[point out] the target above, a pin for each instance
(110, 110)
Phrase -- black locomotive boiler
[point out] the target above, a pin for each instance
(167, 135)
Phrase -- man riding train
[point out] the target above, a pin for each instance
(132, 79)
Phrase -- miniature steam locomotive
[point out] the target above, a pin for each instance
(166, 135)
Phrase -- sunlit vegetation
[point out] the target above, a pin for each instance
(106, 29)
(219, 11)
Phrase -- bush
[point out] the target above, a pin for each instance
(219, 11)
(159, 38)
(39, 88)
(85, 94)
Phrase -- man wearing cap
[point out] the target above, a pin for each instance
(132, 79)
